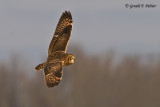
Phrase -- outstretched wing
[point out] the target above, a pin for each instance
(62, 33)
(53, 73)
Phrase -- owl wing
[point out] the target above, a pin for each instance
(53, 73)
(62, 33)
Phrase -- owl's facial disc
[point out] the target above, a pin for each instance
(71, 59)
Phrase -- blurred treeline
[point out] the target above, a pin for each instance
(92, 81)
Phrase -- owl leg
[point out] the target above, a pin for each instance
(40, 66)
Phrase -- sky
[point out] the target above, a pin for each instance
(27, 26)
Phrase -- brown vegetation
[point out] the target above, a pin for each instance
(92, 81)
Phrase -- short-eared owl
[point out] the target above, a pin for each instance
(57, 56)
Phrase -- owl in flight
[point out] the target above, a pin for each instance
(57, 56)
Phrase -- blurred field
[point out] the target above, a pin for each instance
(93, 81)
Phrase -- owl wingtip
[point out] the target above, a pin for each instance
(67, 12)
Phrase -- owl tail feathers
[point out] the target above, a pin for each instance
(40, 66)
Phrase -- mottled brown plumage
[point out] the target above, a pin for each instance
(62, 33)
(57, 56)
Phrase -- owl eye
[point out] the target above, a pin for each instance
(71, 58)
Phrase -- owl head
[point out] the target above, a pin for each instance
(69, 59)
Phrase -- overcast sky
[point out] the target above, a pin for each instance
(98, 25)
